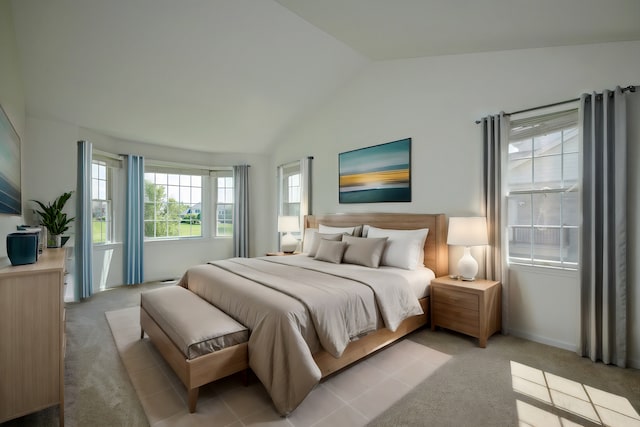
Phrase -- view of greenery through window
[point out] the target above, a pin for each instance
(101, 205)
(172, 205)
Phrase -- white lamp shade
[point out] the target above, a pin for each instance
(467, 231)
(287, 224)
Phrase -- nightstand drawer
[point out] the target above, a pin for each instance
(456, 318)
(455, 298)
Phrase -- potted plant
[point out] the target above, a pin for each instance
(54, 219)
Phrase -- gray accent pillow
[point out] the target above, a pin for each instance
(364, 251)
(330, 251)
(318, 237)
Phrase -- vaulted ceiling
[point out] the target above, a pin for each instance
(231, 75)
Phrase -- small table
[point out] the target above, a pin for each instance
(470, 307)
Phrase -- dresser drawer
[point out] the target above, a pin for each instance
(455, 298)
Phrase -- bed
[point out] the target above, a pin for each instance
(309, 317)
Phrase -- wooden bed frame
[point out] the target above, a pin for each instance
(204, 369)
(436, 257)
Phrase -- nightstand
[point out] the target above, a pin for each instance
(473, 308)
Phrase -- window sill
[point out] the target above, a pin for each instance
(544, 269)
(184, 240)
(106, 246)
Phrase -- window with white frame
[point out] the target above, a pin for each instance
(542, 190)
(172, 203)
(101, 213)
(223, 203)
(290, 189)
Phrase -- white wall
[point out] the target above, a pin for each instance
(13, 103)
(436, 101)
(50, 169)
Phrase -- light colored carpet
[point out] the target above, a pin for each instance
(352, 397)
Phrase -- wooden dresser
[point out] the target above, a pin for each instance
(32, 336)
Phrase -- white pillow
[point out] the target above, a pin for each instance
(307, 240)
(404, 249)
(354, 231)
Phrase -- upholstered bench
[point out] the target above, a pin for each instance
(200, 342)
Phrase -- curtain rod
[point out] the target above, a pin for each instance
(631, 88)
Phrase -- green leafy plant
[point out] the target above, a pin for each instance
(52, 216)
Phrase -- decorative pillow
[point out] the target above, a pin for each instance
(363, 251)
(307, 239)
(330, 251)
(404, 248)
(356, 230)
(318, 237)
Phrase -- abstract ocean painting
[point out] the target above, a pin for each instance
(10, 196)
(381, 173)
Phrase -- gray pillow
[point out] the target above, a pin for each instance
(318, 237)
(364, 251)
(330, 251)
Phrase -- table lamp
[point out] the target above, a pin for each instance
(287, 224)
(467, 232)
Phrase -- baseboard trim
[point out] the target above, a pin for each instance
(631, 363)
(544, 340)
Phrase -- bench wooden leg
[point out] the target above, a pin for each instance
(193, 399)
(141, 333)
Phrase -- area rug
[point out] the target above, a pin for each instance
(352, 397)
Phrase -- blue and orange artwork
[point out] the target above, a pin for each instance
(381, 173)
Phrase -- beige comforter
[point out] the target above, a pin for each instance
(294, 306)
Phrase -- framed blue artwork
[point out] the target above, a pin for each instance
(10, 194)
(381, 173)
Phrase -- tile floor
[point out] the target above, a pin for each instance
(351, 398)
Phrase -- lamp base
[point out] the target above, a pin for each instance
(288, 243)
(467, 266)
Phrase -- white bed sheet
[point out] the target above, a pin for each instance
(419, 279)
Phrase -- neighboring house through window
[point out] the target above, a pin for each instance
(294, 190)
(542, 190)
(187, 202)
(172, 204)
(224, 203)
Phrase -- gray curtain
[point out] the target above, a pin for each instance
(241, 211)
(495, 138)
(84, 240)
(603, 258)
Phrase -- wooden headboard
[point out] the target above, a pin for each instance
(436, 251)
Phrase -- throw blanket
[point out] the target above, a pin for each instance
(294, 306)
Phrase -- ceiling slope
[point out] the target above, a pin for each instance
(232, 75)
(208, 75)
